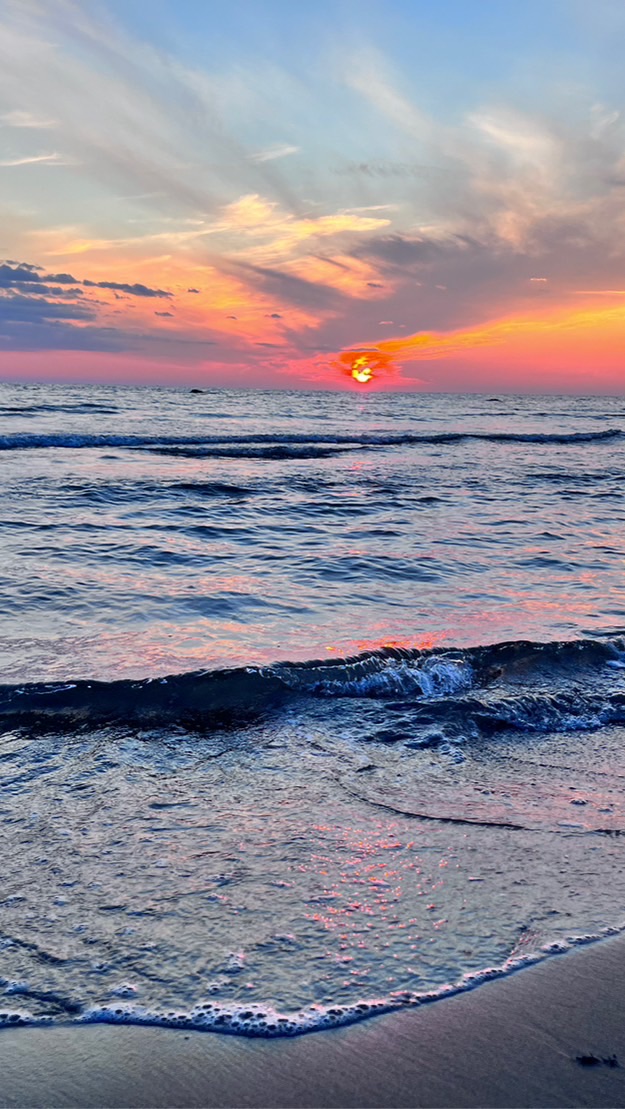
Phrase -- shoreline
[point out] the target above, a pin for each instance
(261, 1021)
(549, 1034)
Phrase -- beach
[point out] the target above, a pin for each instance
(549, 1035)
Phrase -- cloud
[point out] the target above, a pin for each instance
(266, 234)
(18, 273)
(403, 251)
(17, 308)
(501, 173)
(56, 334)
(369, 75)
(22, 119)
(59, 311)
(21, 273)
(136, 290)
(34, 159)
(132, 115)
(51, 291)
(33, 323)
(506, 332)
(274, 152)
(385, 169)
(599, 292)
(170, 315)
(286, 286)
(484, 273)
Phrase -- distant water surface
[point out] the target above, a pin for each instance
(312, 703)
(155, 531)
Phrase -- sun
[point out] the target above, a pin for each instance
(361, 370)
(364, 365)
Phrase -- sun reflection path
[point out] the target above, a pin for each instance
(383, 901)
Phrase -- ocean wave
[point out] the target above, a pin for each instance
(84, 407)
(562, 685)
(226, 444)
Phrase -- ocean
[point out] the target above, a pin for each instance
(312, 704)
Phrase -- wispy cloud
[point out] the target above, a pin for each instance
(34, 159)
(259, 233)
(273, 152)
(21, 119)
(130, 114)
(370, 75)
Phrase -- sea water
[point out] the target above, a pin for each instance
(312, 705)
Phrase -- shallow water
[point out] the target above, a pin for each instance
(197, 820)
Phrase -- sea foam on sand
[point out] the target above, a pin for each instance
(551, 1035)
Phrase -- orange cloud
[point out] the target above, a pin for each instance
(262, 232)
(350, 276)
(562, 328)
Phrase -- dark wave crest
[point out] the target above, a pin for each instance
(84, 407)
(288, 446)
(571, 685)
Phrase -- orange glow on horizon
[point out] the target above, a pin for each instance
(364, 365)
(562, 347)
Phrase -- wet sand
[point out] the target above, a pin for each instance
(549, 1035)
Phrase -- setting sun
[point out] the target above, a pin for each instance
(361, 370)
(365, 364)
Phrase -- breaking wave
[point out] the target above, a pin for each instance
(565, 686)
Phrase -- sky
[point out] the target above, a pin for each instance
(402, 195)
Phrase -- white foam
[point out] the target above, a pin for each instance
(266, 1022)
(435, 676)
